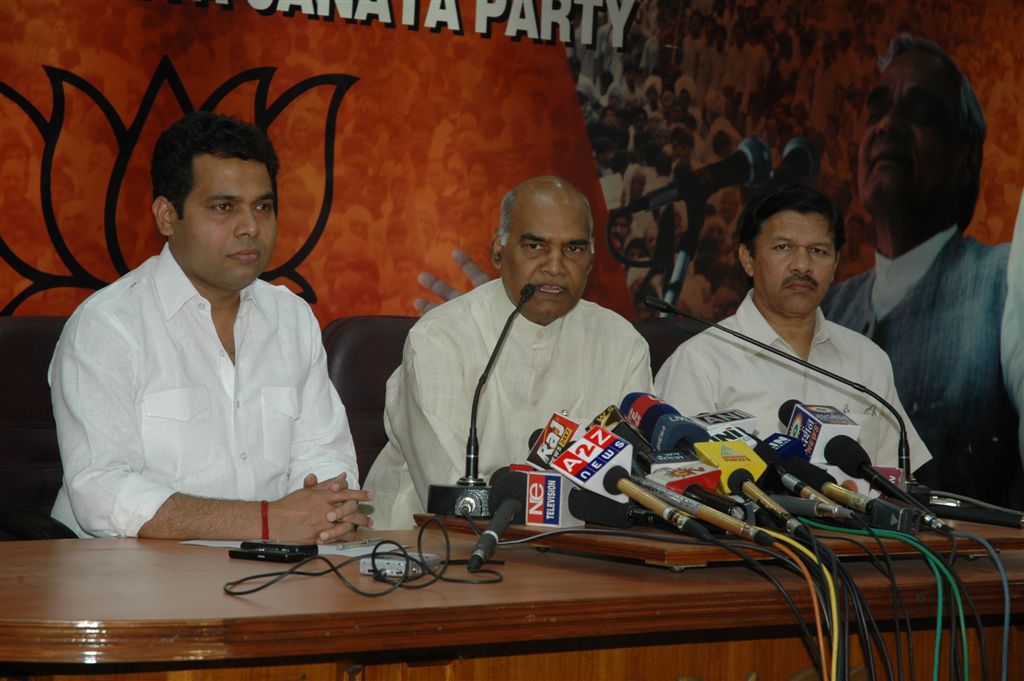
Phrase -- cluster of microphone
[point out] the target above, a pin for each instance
(642, 462)
(708, 476)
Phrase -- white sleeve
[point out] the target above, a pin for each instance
(1012, 339)
(92, 380)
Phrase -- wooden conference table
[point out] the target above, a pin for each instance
(149, 609)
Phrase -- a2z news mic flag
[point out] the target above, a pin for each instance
(470, 496)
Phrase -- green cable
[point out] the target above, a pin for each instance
(933, 563)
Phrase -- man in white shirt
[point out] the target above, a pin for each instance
(936, 301)
(790, 240)
(192, 399)
(563, 354)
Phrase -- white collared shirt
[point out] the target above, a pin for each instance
(894, 277)
(148, 403)
(580, 363)
(714, 371)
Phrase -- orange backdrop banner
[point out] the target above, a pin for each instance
(396, 143)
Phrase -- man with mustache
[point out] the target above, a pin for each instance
(789, 247)
(191, 398)
(563, 354)
(935, 300)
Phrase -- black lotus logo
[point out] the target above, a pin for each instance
(127, 135)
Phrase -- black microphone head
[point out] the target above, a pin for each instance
(799, 162)
(612, 477)
(807, 473)
(499, 473)
(534, 436)
(737, 478)
(526, 293)
(591, 507)
(658, 304)
(846, 453)
(770, 480)
(509, 484)
(759, 156)
(786, 410)
(766, 452)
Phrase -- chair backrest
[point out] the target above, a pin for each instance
(30, 469)
(664, 336)
(362, 352)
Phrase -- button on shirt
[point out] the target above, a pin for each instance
(581, 363)
(714, 371)
(147, 403)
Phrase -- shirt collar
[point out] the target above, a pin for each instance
(894, 277)
(750, 321)
(174, 289)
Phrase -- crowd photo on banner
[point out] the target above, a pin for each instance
(819, 86)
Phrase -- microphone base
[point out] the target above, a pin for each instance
(453, 500)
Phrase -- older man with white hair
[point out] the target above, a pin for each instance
(565, 354)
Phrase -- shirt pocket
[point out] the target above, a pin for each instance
(280, 407)
(175, 433)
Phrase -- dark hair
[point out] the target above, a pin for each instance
(795, 197)
(204, 132)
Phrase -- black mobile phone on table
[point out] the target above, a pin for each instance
(274, 551)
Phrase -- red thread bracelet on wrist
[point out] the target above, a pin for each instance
(264, 512)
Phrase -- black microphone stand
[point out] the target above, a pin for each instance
(903, 453)
(471, 495)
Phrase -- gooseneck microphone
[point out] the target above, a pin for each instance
(472, 444)
(470, 495)
(488, 541)
(846, 453)
(904, 449)
(750, 164)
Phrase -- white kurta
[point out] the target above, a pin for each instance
(579, 363)
(714, 371)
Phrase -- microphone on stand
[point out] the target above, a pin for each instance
(471, 495)
(799, 164)
(750, 164)
(903, 454)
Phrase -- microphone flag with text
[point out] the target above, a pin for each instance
(600, 462)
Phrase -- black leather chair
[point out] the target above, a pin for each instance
(30, 469)
(664, 336)
(362, 352)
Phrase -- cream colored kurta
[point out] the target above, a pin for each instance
(580, 363)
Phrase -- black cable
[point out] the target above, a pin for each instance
(899, 605)
(723, 544)
(966, 597)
